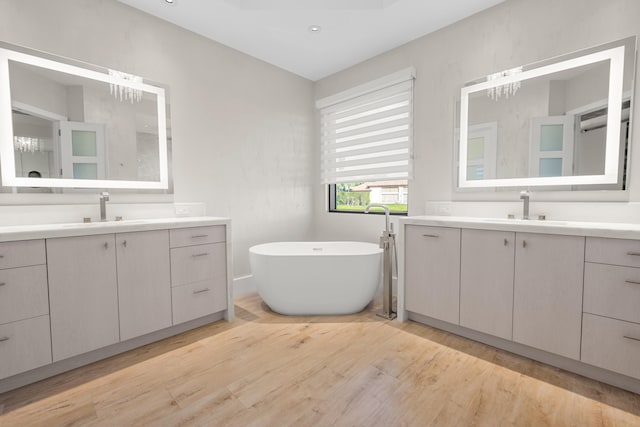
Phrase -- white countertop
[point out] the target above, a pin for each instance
(43, 231)
(572, 228)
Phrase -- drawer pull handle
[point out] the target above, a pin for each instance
(1, 256)
(633, 253)
(4, 339)
(199, 255)
(201, 291)
(631, 338)
(199, 236)
(435, 236)
(632, 282)
(2, 284)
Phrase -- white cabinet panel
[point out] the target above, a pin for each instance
(83, 294)
(197, 235)
(144, 288)
(613, 251)
(612, 291)
(611, 344)
(432, 271)
(23, 293)
(486, 281)
(198, 299)
(22, 253)
(24, 345)
(196, 263)
(547, 309)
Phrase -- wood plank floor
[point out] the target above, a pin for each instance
(270, 370)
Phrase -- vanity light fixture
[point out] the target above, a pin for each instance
(315, 28)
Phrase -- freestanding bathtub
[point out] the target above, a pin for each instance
(316, 278)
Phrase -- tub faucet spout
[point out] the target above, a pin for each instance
(367, 209)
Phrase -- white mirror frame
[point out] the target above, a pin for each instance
(7, 159)
(612, 146)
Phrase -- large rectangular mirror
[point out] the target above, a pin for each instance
(561, 123)
(68, 124)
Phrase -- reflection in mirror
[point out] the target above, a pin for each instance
(549, 124)
(71, 126)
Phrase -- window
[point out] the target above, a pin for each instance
(366, 136)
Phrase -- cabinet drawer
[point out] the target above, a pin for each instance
(613, 251)
(24, 345)
(612, 291)
(180, 237)
(22, 253)
(611, 344)
(23, 293)
(196, 263)
(198, 299)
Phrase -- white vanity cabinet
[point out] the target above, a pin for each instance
(25, 340)
(611, 319)
(198, 272)
(144, 288)
(486, 281)
(83, 294)
(432, 272)
(547, 301)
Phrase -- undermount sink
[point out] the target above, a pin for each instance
(523, 221)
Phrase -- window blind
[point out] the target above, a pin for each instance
(368, 137)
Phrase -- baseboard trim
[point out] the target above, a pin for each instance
(244, 285)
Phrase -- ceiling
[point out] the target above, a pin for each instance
(277, 31)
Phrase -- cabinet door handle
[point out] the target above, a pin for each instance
(524, 243)
(631, 338)
(199, 236)
(106, 245)
(506, 242)
(201, 291)
(199, 255)
(632, 282)
(124, 243)
(435, 236)
(1, 256)
(2, 284)
(4, 339)
(633, 253)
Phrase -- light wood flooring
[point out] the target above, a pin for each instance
(270, 370)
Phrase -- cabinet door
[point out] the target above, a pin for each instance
(486, 281)
(547, 308)
(83, 294)
(144, 289)
(432, 271)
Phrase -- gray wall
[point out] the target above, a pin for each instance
(242, 129)
(513, 33)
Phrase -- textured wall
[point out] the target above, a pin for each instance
(242, 129)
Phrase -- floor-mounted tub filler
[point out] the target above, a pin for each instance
(316, 278)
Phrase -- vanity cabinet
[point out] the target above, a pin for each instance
(547, 301)
(144, 289)
(83, 294)
(25, 340)
(432, 272)
(198, 272)
(486, 281)
(611, 318)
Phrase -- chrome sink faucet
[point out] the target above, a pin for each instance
(104, 197)
(524, 195)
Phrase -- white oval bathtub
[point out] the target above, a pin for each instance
(316, 278)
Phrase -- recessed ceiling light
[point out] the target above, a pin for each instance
(315, 28)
